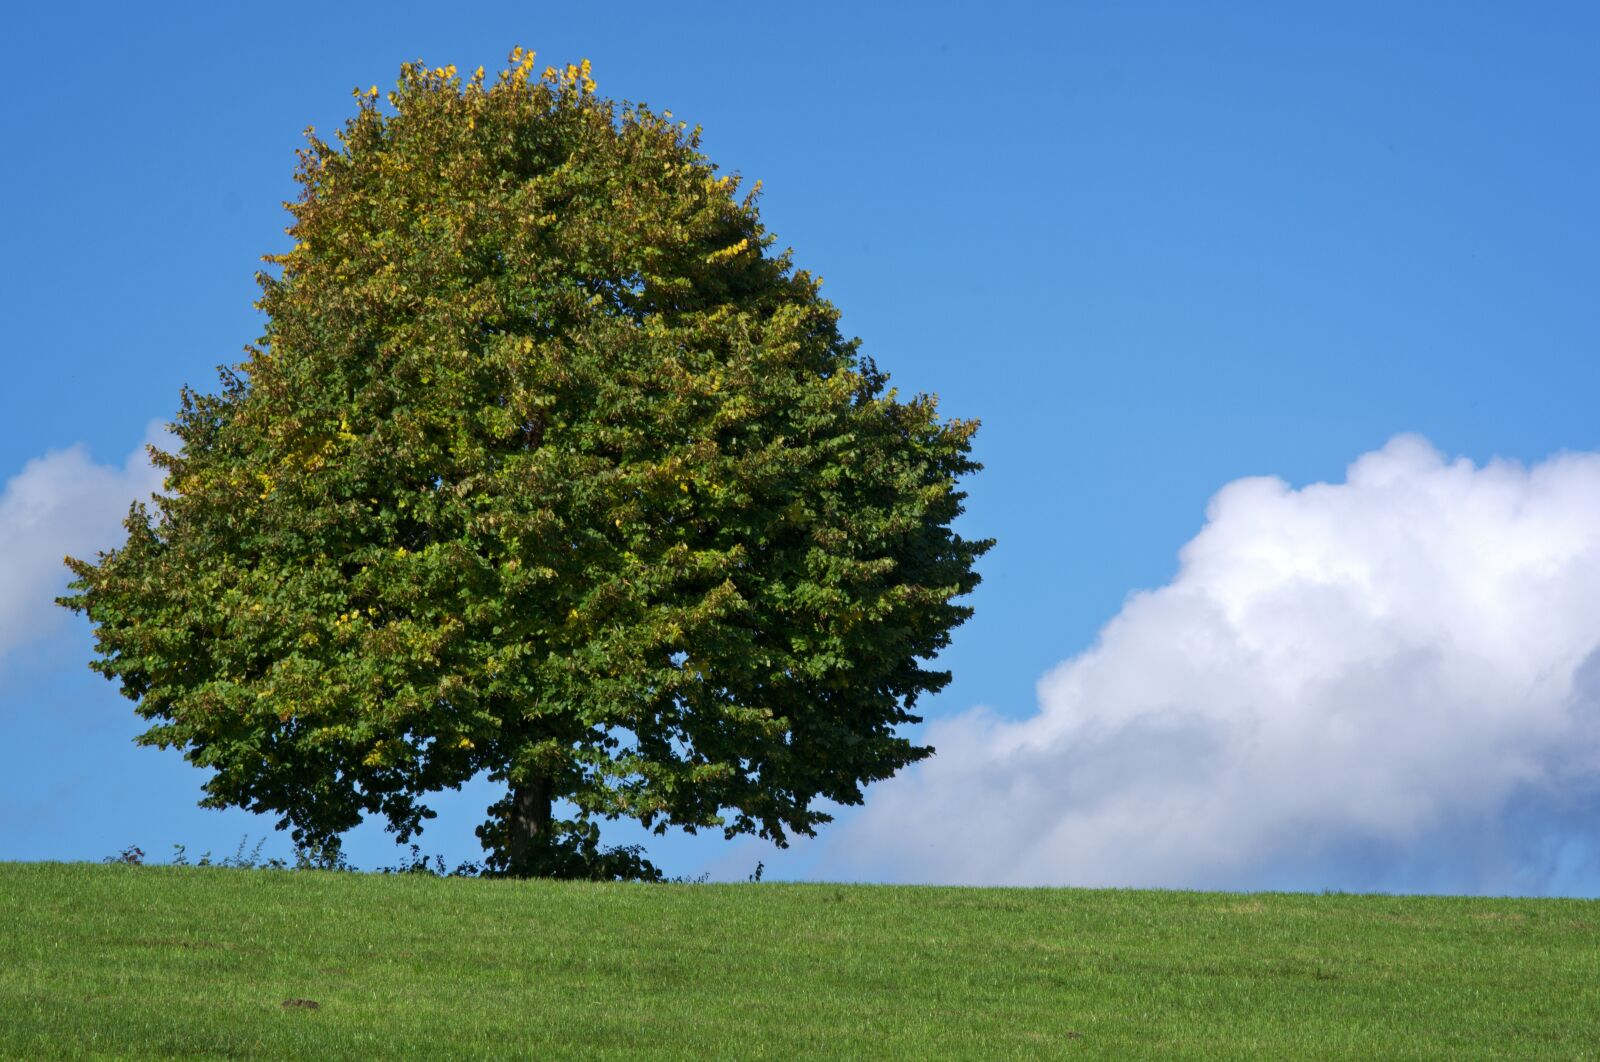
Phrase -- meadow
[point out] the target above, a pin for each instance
(149, 961)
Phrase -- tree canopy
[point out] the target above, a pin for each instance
(545, 466)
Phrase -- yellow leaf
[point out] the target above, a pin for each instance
(728, 252)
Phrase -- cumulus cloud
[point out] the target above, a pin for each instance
(59, 504)
(1387, 683)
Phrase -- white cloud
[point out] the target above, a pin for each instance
(1391, 682)
(59, 504)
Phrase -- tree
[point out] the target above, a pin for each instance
(545, 466)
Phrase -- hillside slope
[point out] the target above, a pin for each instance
(141, 961)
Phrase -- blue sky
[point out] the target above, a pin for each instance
(1156, 248)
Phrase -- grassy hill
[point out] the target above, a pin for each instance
(147, 961)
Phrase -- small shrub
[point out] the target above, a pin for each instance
(569, 850)
(418, 863)
(327, 855)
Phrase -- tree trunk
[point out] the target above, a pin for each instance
(530, 817)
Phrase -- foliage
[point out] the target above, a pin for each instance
(569, 848)
(577, 855)
(315, 854)
(141, 962)
(417, 863)
(240, 860)
(546, 467)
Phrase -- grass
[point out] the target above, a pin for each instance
(118, 961)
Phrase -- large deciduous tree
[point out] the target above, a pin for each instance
(546, 467)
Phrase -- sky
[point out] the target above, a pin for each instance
(1280, 324)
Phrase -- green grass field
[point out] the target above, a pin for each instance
(116, 961)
